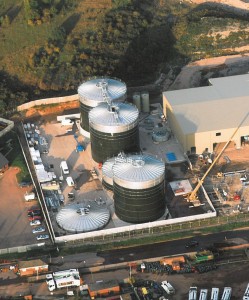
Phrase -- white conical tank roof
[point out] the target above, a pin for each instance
(138, 171)
(118, 117)
(107, 173)
(87, 216)
(90, 92)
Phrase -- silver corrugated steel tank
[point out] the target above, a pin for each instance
(83, 217)
(138, 186)
(113, 129)
(107, 173)
(90, 95)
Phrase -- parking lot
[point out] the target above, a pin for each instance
(15, 227)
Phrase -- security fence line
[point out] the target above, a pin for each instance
(185, 227)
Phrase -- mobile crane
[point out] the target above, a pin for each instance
(192, 197)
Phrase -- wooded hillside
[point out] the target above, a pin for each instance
(48, 47)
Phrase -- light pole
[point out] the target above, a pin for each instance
(62, 258)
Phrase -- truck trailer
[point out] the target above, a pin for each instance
(168, 287)
(61, 279)
(227, 293)
(215, 294)
(203, 294)
(192, 294)
(246, 294)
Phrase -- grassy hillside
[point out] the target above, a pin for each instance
(48, 47)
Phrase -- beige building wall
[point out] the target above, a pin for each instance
(176, 129)
(203, 140)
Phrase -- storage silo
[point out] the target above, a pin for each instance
(83, 217)
(91, 95)
(107, 173)
(137, 100)
(145, 99)
(138, 186)
(113, 129)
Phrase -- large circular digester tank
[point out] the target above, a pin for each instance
(93, 92)
(113, 129)
(83, 217)
(138, 187)
(107, 173)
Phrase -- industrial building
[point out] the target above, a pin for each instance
(32, 267)
(200, 118)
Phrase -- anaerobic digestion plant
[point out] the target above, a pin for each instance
(91, 95)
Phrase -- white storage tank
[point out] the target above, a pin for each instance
(137, 101)
(87, 216)
(145, 99)
(138, 186)
(113, 129)
(107, 173)
(91, 95)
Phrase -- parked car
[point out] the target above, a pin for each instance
(31, 218)
(25, 184)
(34, 213)
(39, 229)
(35, 222)
(191, 244)
(33, 208)
(45, 151)
(42, 237)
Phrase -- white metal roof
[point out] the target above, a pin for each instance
(107, 173)
(91, 91)
(136, 171)
(120, 115)
(83, 217)
(220, 106)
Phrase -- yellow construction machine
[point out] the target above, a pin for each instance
(193, 197)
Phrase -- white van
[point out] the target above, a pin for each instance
(64, 167)
(29, 196)
(70, 181)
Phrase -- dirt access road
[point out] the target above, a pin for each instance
(191, 75)
(237, 6)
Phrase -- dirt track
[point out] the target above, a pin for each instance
(234, 5)
(191, 74)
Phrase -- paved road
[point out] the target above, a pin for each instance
(170, 248)
(84, 261)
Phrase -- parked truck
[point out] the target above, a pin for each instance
(192, 294)
(246, 293)
(215, 294)
(227, 293)
(61, 279)
(203, 294)
(168, 287)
